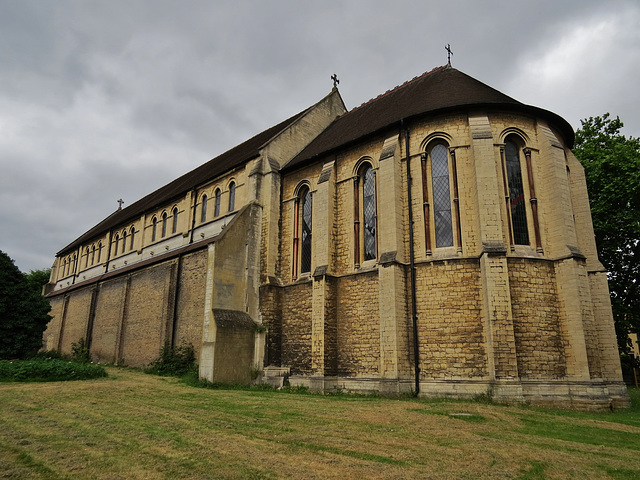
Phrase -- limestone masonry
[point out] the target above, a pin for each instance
(436, 239)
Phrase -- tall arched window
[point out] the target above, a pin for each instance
(154, 229)
(216, 206)
(232, 196)
(93, 255)
(86, 258)
(203, 209)
(124, 241)
(174, 224)
(164, 224)
(441, 191)
(365, 213)
(304, 209)
(133, 233)
(516, 203)
(115, 245)
(99, 251)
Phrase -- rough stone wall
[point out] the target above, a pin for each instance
(76, 319)
(51, 335)
(536, 322)
(271, 313)
(146, 310)
(331, 328)
(450, 331)
(296, 327)
(190, 300)
(358, 325)
(108, 320)
(234, 352)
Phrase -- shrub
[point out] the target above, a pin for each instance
(48, 370)
(80, 352)
(174, 361)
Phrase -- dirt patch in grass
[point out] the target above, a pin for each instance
(137, 426)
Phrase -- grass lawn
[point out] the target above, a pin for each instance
(136, 426)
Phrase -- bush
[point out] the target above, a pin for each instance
(174, 361)
(42, 369)
(80, 352)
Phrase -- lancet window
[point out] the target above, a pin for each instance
(303, 211)
(174, 222)
(216, 205)
(203, 209)
(232, 196)
(365, 206)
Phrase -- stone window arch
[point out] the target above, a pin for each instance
(216, 204)
(232, 196)
(441, 209)
(303, 221)
(174, 221)
(154, 228)
(365, 213)
(203, 209)
(164, 224)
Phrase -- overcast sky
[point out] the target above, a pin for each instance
(113, 99)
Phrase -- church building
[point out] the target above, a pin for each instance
(436, 239)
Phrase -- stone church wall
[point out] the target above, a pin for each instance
(450, 329)
(536, 319)
(108, 321)
(75, 319)
(358, 325)
(191, 299)
(296, 327)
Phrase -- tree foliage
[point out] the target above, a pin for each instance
(612, 167)
(24, 312)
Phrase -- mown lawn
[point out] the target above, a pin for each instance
(136, 426)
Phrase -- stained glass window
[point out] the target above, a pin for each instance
(441, 196)
(216, 205)
(232, 196)
(305, 250)
(369, 212)
(203, 210)
(516, 194)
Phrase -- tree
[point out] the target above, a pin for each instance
(612, 167)
(24, 312)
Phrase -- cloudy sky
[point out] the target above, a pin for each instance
(101, 100)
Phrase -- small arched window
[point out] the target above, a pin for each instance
(154, 229)
(203, 209)
(174, 223)
(517, 203)
(232, 196)
(164, 224)
(216, 206)
(133, 233)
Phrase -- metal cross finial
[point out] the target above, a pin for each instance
(334, 77)
(449, 53)
(120, 202)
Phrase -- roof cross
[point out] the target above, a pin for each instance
(120, 202)
(449, 53)
(334, 77)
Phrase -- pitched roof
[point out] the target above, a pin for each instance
(232, 158)
(437, 91)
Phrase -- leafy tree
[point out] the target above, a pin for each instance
(24, 312)
(612, 166)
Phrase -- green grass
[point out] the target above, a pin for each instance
(136, 426)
